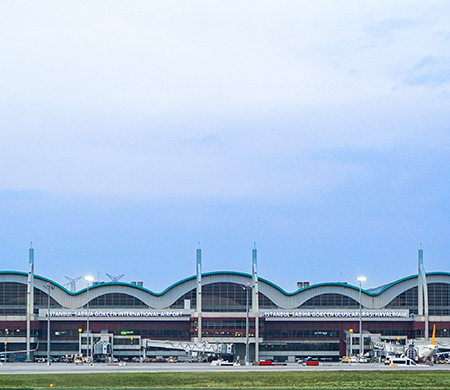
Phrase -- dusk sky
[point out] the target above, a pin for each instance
(133, 132)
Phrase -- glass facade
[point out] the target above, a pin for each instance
(389, 328)
(227, 327)
(330, 301)
(116, 300)
(406, 300)
(301, 330)
(191, 296)
(41, 300)
(225, 297)
(266, 303)
(13, 298)
(163, 330)
(439, 299)
(270, 347)
(235, 300)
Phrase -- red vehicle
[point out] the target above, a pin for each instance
(309, 362)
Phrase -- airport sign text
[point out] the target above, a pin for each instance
(115, 313)
(337, 314)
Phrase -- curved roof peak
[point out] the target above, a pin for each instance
(372, 291)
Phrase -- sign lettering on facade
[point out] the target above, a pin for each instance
(115, 313)
(337, 314)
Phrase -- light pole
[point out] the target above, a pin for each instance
(88, 278)
(360, 279)
(351, 343)
(247, 346)
(49, 287)
(6, 344)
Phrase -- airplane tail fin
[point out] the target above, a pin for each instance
(433, 341)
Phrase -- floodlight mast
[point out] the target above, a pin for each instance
(360, 279)
(88, 278)
(247, 287)
(49, 287)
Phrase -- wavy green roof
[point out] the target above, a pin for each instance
(245, 275)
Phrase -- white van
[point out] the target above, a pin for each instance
(402, 362)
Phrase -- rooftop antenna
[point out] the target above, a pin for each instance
(115, 278)
(73, 283)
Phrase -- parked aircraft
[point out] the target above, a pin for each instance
(422, 350)
(418, 350)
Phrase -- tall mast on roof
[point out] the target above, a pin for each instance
(30, 298)
(199, 294)
(255, 300)
(422, 293)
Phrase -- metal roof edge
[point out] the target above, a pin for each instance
(213, 273)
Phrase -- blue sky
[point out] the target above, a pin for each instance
(132, 131)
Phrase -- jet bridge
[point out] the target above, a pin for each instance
(190, 347)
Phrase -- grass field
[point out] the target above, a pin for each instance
(238, 380)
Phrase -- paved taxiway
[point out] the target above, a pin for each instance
(62, 368)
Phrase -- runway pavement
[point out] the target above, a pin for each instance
(72, 368)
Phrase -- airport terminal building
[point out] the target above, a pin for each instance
(321, 320)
